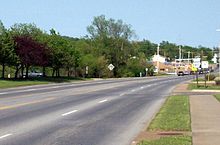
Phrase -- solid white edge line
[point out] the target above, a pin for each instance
(103, 101)
(4, 136)
(3, 93)
(68, 113)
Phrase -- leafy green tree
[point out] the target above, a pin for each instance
(111, 38)
(7, 52)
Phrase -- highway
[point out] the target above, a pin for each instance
(102, 112)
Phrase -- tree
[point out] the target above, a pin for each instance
(6, 48)
(111, 38)
(31, 52)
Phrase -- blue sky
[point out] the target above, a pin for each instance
(187, 22)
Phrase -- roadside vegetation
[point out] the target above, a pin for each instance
(210, 82)
(174, 116)
(26, 48)
(194, 86)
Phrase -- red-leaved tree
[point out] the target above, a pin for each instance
(31, 52)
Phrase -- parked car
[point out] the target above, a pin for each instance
(35, 74)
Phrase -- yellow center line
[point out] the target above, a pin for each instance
(25, 104)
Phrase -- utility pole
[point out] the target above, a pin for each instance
(219, 60)
(180, 53)
(158, 55)
(218, 30)
(188, 56)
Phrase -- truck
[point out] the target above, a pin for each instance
(186, 69)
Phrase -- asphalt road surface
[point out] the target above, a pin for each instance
(103, 112)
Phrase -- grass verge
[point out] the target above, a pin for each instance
(173, 116)
(209, 87)
(217, 97)
(181, 140)
(9, 83)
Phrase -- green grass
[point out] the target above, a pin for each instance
(202, 86)
(173, 116)
(8, 83)
(180, 140)
(217, 97)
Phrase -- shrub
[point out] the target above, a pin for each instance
(211, 77)
(217, 80)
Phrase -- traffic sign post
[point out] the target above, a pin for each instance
(205, 65)
(196, 64)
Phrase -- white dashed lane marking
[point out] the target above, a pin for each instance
(103, 101)
(4, 136)
(68, 113)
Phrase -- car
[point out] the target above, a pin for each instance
(35, 74)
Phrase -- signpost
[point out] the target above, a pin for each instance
(196, 64)
(205, 65)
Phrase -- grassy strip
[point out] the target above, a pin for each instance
(35, 81)
(9, 84)
(209, 87)
(180, 140)
(217, 97)
(173, 116)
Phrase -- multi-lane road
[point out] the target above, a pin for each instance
(103, 112)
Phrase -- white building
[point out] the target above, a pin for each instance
(159, 58)
(215, 58)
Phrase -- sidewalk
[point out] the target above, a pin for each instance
(205, 116)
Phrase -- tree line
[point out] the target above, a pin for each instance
(25, 47)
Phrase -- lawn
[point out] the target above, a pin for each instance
(180, 140)
(217, 97)
(209, 87)
(173, 116)
(9, 83)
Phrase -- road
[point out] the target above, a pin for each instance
(103, 112)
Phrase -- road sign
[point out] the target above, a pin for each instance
(196, 62)
(205, 64)
(111, 67)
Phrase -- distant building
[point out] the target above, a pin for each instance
(159, 58)
(215, 58)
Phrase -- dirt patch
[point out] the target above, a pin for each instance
(147, 135)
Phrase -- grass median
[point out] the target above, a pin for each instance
(174, 116)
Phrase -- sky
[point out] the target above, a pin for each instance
(184, 22)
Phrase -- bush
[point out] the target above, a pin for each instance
(211, 77)
(217, 80)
